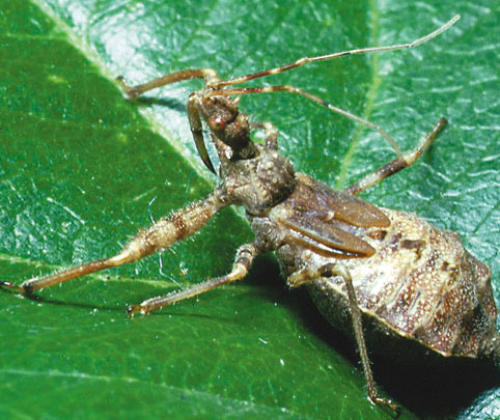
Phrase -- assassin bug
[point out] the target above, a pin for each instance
(359, 262)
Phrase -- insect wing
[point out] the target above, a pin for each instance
(339, 205)
(327, 238)
(356, 212)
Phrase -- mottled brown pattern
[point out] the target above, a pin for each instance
(180, 224)
(404, 285)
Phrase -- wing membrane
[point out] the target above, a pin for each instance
(328, 237)
(338, 205)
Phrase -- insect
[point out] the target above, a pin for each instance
(359, 262)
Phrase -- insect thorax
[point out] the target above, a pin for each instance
(259, 183)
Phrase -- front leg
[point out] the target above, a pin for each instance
(163, 234)
(133, 92)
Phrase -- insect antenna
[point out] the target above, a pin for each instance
(318, 100)
(306, 60)
(220, 87)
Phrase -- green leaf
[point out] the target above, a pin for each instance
(81, 169)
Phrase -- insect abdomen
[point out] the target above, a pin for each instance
(421, 284)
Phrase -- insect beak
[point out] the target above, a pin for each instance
(196, 130)
(202, 151)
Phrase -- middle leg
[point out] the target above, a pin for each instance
(242, 263)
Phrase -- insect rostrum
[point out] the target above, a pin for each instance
(410, 278)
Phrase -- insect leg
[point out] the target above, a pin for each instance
(132, 92)
(331, 270)
(242, 263)
(270, 132)
(398, 164)
(306, 60)
(360, 340)
(161, 235)
(209, 75)
(333, 108)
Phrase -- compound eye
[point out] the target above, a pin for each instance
(217, 123)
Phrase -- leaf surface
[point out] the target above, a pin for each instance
(81, 169)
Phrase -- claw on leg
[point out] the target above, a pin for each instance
(395, 411)
(13, 287)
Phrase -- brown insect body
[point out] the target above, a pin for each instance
(414, 280)
(405, 277)
(420, 283)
